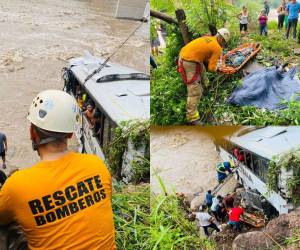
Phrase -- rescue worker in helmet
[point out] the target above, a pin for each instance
(222, 169)
(64, 201)
(206, 50)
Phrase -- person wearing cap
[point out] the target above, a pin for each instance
(206, 50)
(63, 201)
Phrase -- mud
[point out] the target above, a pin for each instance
(184, 158)
(37, 37)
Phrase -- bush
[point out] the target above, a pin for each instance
(138, 133)
(170, 229)
(288, 161)
(131, 206)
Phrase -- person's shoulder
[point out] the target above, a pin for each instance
(88, 157)
(19, 176)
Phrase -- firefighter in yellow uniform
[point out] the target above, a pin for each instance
(64, 201)
(204, 50)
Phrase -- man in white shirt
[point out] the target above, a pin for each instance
(206, 220)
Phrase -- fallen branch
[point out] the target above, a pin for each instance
(162, 16)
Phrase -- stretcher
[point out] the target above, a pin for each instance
(253, 220)
(236, 59)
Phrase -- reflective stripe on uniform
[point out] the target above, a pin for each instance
(221, 168)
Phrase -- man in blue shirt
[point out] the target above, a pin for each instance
(208, 198)
(293, 9)
(222, 169)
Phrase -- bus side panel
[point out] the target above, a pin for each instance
(250, 181)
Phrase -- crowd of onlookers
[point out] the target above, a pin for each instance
(288, 13)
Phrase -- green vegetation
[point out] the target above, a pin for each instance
(170, 229)
(131, 206)
(137, 135)
(288, 161)
(295, 239)
(168, 93)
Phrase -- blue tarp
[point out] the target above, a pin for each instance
(267, 88)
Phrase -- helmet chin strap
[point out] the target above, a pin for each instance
(51, 138)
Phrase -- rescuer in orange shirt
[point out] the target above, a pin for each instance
(64, 201)
(204, 50)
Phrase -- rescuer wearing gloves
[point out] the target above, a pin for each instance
(64, 201)
(204, 50)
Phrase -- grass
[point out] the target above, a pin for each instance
(168, 94)
(131, 206)
(170, 229)
(295, 239)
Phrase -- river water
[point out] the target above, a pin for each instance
(37, 37)
(185, 159)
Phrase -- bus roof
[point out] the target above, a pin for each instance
(269, 141)
(121, 100)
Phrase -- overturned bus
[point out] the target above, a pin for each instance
(118, 94)
(259, 146)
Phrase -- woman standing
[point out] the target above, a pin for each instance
(262, 20)
(243, 16)
(281, 14)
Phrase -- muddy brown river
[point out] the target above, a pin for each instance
(185, 159)
(37, 37)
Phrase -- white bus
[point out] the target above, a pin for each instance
(118, 94)
(258, 146)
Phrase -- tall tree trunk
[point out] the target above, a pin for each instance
(213, 30)
(181, 18)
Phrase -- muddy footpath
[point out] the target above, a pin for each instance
(37, 37)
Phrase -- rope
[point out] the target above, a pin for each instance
(117, 49)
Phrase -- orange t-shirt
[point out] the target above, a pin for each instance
(204, 49)
(62, 204)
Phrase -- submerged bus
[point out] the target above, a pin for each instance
(258, 146)
(118, 94)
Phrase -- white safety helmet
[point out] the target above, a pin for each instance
(225, 34)
(55, 111)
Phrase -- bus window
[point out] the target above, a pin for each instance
(264, 170)
(248, 160)
(106, 131)
(255, 165)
